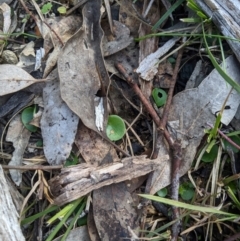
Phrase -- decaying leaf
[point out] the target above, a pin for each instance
(58, 123)
(79, 85)
(189, 123)
(19, 136)
(27, 57)
(127, 57)
(15, 103)
(93, 148)
(64, 27)
(120, 41)
(114, 212)
(128, 15)
(13, 78)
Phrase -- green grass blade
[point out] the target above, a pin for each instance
(73, 221)
(61, 223)
(227, 78)
(166, 15)
(38, 215)
(187, 206)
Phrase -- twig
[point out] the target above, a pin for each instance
(148, 8)
(171, 90)
(175, 147)
(234, 237)
(35, 167)
(226, 137)
(34, 18)
(79, 4)
(144, 100)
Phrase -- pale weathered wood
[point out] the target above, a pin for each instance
(225, 15)
(9, 229)
(77, 181)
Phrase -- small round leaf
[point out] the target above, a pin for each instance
(62, 10)
(115, 128)
(27, 116)
(162, 192)
(159, 96)
(211, 156)
(186, 191)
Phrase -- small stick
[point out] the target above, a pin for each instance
(175, 147)
(79, 4)
(171, 90)
(226, 137)
(144, 100)
(35, 167)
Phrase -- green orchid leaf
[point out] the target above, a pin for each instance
(159, 96)
(115, 128)
(27, 116)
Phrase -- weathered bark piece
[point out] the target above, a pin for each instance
(77, 181)
(9, 228)
(149, 45)
(148, 67)
(225, 15)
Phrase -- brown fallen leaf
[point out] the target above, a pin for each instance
(81, 68)
(64, 27)
(93, 148)
(13, 79)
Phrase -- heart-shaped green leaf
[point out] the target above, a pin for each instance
(115, 128)
(159, 96)
(27, 116)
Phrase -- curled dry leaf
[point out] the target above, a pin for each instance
(13, 78)
(58, 124)
(81, 68)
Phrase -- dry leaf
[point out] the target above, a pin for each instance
(121, 40)
(19, 136)
(114, 212)
(81, 68)
(13, 78)
(27, 56)
(58, 124)
(93, 148)
(65, 27)
(189, 123)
